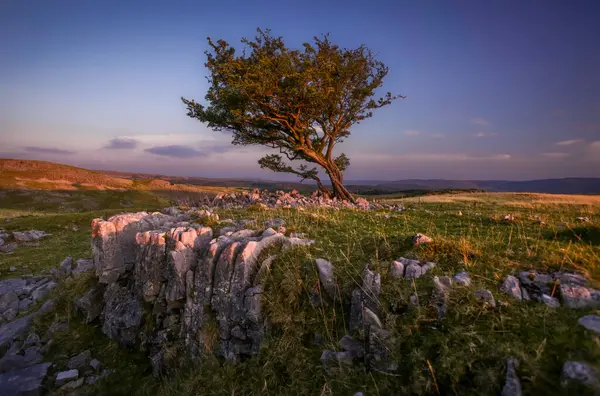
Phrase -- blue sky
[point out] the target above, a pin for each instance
(495, 89)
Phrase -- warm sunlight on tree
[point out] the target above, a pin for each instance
(302, 102)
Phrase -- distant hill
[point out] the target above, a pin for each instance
(42, 174)
(34, 173)
(572, 185)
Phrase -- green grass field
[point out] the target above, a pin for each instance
(462, 354)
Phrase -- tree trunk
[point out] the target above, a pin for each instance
(339, 191)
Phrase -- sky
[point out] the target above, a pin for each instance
(497, 89)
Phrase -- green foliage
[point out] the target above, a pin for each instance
(301, 101)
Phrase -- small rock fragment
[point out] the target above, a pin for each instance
(512, 386)
(512, 287)
(420, 239)
(590, 322)
(580, 372)
(486, 297)
(462, 279)
(325, 269)
(81, 360)
(66, 376)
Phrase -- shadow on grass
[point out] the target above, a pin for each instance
(587, 235)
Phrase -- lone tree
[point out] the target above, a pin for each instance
(302, 102)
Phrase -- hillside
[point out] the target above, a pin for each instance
(50, 175)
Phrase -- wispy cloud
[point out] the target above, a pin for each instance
(484, 134)
(480, 121)
(568, 142)
(437, 135)
(48, 150)
(439, 157)
(555, 155)
(595, 145)
(412, 132)
(176, 151)
(179, 151)
(121, 143)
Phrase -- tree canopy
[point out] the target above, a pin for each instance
(300, 101)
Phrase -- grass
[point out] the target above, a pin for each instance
(464, 353)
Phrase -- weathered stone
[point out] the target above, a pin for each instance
(80, 361)
(95, 365)
(69, 386)
(486, 297)
(580, 372)
(512, 287)
(326, 276)
(551, 302)
(590, 322)
(8, 300)
(28, 236)
(42, 292)
(371, 282)
(354, 348)
(569, 278)
(512, 386)
(579, 296)
(8, 247)
(462, 279)
(90, 305)
(64, 270)
(66, 376)
(420, 239)
(441, 290)
(26, 381)
(122, 315)
(14, 329)
(397, 269)
(413, 270)
(32, 339)
(83, 266)
(25, 304)
(56, 327)
(274, 223)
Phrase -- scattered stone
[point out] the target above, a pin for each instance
(8, 247)
(579, 296)
(69, 386)
(26, 381)
(90, 305)
(486, 297)
(274, 223)
(462, 279)
(66, 376)
(325, 270)
(583, 219)
(512, 287)
(420, 239)
(32, 339)
(397, 269)
(28, 236)
(352, 346)
(509, 218)
(80, 361)
(83, 266)
(441, 291)
(580, 372)
(512, 386)
(12, 268)
(551, 302)
(43, 291)
(590, 322)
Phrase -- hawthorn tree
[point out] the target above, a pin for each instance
(300, 101)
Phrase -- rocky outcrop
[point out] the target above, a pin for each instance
(167, 284)
(293, 199)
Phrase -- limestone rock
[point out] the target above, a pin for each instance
(80, 361)
(91, 304)
(441, 290)
(419, 239)
(512, 386)
(326, 276)
(397, 269)
(486, 297)
(83, 266)
(26, 381)
(122, 315)
(462, 279)
(66, 376)
(28, 236)
(512, 287)
(580, 372)
(69, 386)
(574, 296)
(590, 322)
